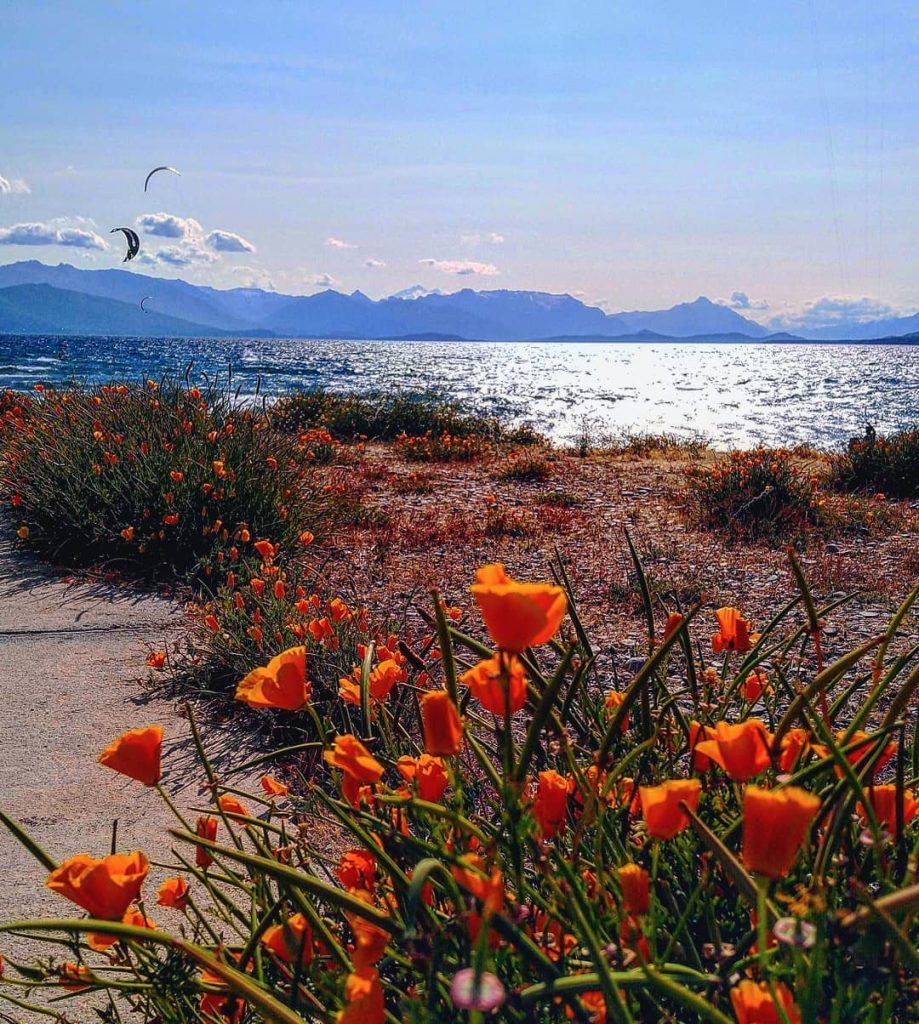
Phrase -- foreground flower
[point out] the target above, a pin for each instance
(518, 615)
(364, 996)
(742, 750)
(442, 726)
(753, 1003)
(354, 759)
(282, 683)
(499, 684)
(206, 828)
(484, 993)
(660, 806)
(292, 939)
(551, 806)
(103, 888)
(272, 787)
(883, 800)
(173, 893)
(734, 633)
(230, 805)
(137, 754)
(427, 772)
(635, 884)
(775, 825)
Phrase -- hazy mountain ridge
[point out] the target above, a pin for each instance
(498, 315)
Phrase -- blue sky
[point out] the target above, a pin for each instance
(634, 154)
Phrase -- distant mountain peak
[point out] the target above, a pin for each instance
(415, 291)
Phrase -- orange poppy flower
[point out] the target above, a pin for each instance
(498, 684)
(697, 733)
(136, 753)
(282, 683)
(863, 744)
(442, 726)
(427, 772)
(156, 659)
(357, 870)
(518, 615)
(74, 977)
(364, 998)
(794, 743)
(636, 892)
(734, 633)
(775, 825)
(612, 702)
(173, 893)
(550, 809)
(370, 939)
(265, 548)
(742, 750)
(660, 806)
(883, 800)
(272, 787)
(230, 805)
(755, 685)
(221, 1006)
(354, 759)
(206, 827)
(103, 888)
(472, 875)
(292, 938)
(753, 1003)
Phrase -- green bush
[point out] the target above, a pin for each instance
(378, 417)
(755, 494)
(160, 480)
(878, 463)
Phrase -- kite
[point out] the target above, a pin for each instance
(143, 300)
(171, 170)
(133, 242)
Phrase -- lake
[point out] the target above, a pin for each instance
(732, 394)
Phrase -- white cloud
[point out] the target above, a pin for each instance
(186, 254)
(337, 243)
(478, 238)
(254, 277)
(50, 233)
(228, 241)
(740, 300)
(461, 267)
(13, 186)
(321, 280)
(829, 310)
(168, 225)
(374, 264)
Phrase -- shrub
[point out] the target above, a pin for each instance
(755, 494)
(158, 480)
(526, 467)
(378, 417)
(875, 463)
(439, 448)
(548, 848)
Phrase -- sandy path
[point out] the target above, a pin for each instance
(70, 661)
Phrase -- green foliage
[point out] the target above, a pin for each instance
(379, 417)
(510, 869)
(161, 481)
(879, 464)
(756, 494)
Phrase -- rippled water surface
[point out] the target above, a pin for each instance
(732, 394)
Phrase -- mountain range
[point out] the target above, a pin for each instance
(36, 298)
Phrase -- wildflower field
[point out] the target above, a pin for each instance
(694, 798)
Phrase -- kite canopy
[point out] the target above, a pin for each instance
(133, 241)
(143, 300)
(155, 170)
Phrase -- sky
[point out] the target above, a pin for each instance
(634, 155)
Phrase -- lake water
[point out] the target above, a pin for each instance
(731, 394)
